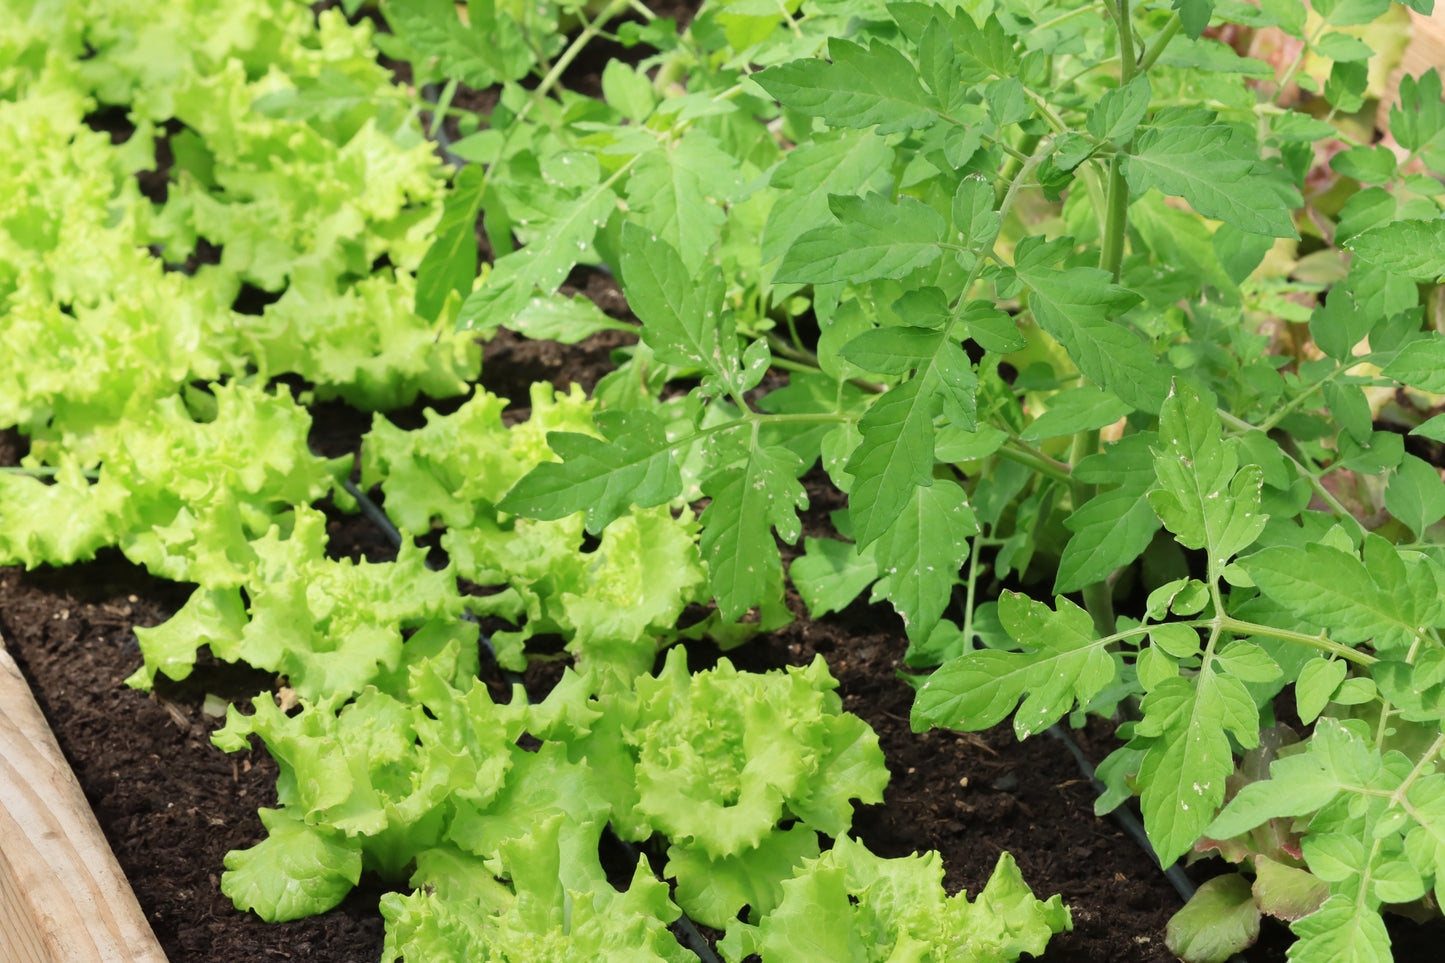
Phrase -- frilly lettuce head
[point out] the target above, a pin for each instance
(898, 910)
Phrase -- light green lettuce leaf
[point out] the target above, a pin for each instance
(297, 870)
(851, 905)
(724, 786)
(714, 891)
(457, 916)
(332, 626)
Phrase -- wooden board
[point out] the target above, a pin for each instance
(63, 897)
(1426, 50)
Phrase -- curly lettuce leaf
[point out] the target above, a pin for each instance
(456, 915)
(331, 626)
(851, 905)
(724, 786)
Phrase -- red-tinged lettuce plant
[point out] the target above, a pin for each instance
(1061, 304)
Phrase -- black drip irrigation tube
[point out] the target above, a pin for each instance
(683, 928)
(438, 132)
(1182, 884)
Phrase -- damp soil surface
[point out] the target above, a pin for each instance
(172, 805)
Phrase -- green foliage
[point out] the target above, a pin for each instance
(181, 489)
(615, 605)
(331, 627)
(1015, 228)
(1063, 300)
(896, 905)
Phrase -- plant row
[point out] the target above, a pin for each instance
(1077, 297)
(298, 160)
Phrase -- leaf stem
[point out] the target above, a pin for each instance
(1300, 58)
(642, 10)
(1062, 18)
(1313, 478)
(1128, 66)
(1046, 111)
(1021, 454)
(1116, 215)
(799, 359)
(575, 49)
(1013, 152)
(1227, 623)
(971, 583)
(1322, 642)
(1300, 398)
(788, 19)
(804, 418)
(1017, 160)
(1069, 80)
(1397, 797)
(1161, 40)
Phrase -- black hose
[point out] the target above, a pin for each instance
(377, 517)
(1131, 826)
(431, 95)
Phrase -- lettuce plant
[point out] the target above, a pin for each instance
(897, 906)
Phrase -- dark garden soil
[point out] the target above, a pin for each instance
(172, 805)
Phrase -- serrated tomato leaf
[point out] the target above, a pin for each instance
(1188, 758)
(1078, 307)
(894, 457)
(1120, 110)
(918, 557)
(450, 264)
(830, 574)
(1415, 249)
(1062, 662)
(631, 465)
(748, 502)
(1204, 498)
(1110, 530)
(1196, 163)
(683, 320)
(873, 238)
(861, 87)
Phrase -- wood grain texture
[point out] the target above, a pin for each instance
(1426, 50)
(63, 898)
